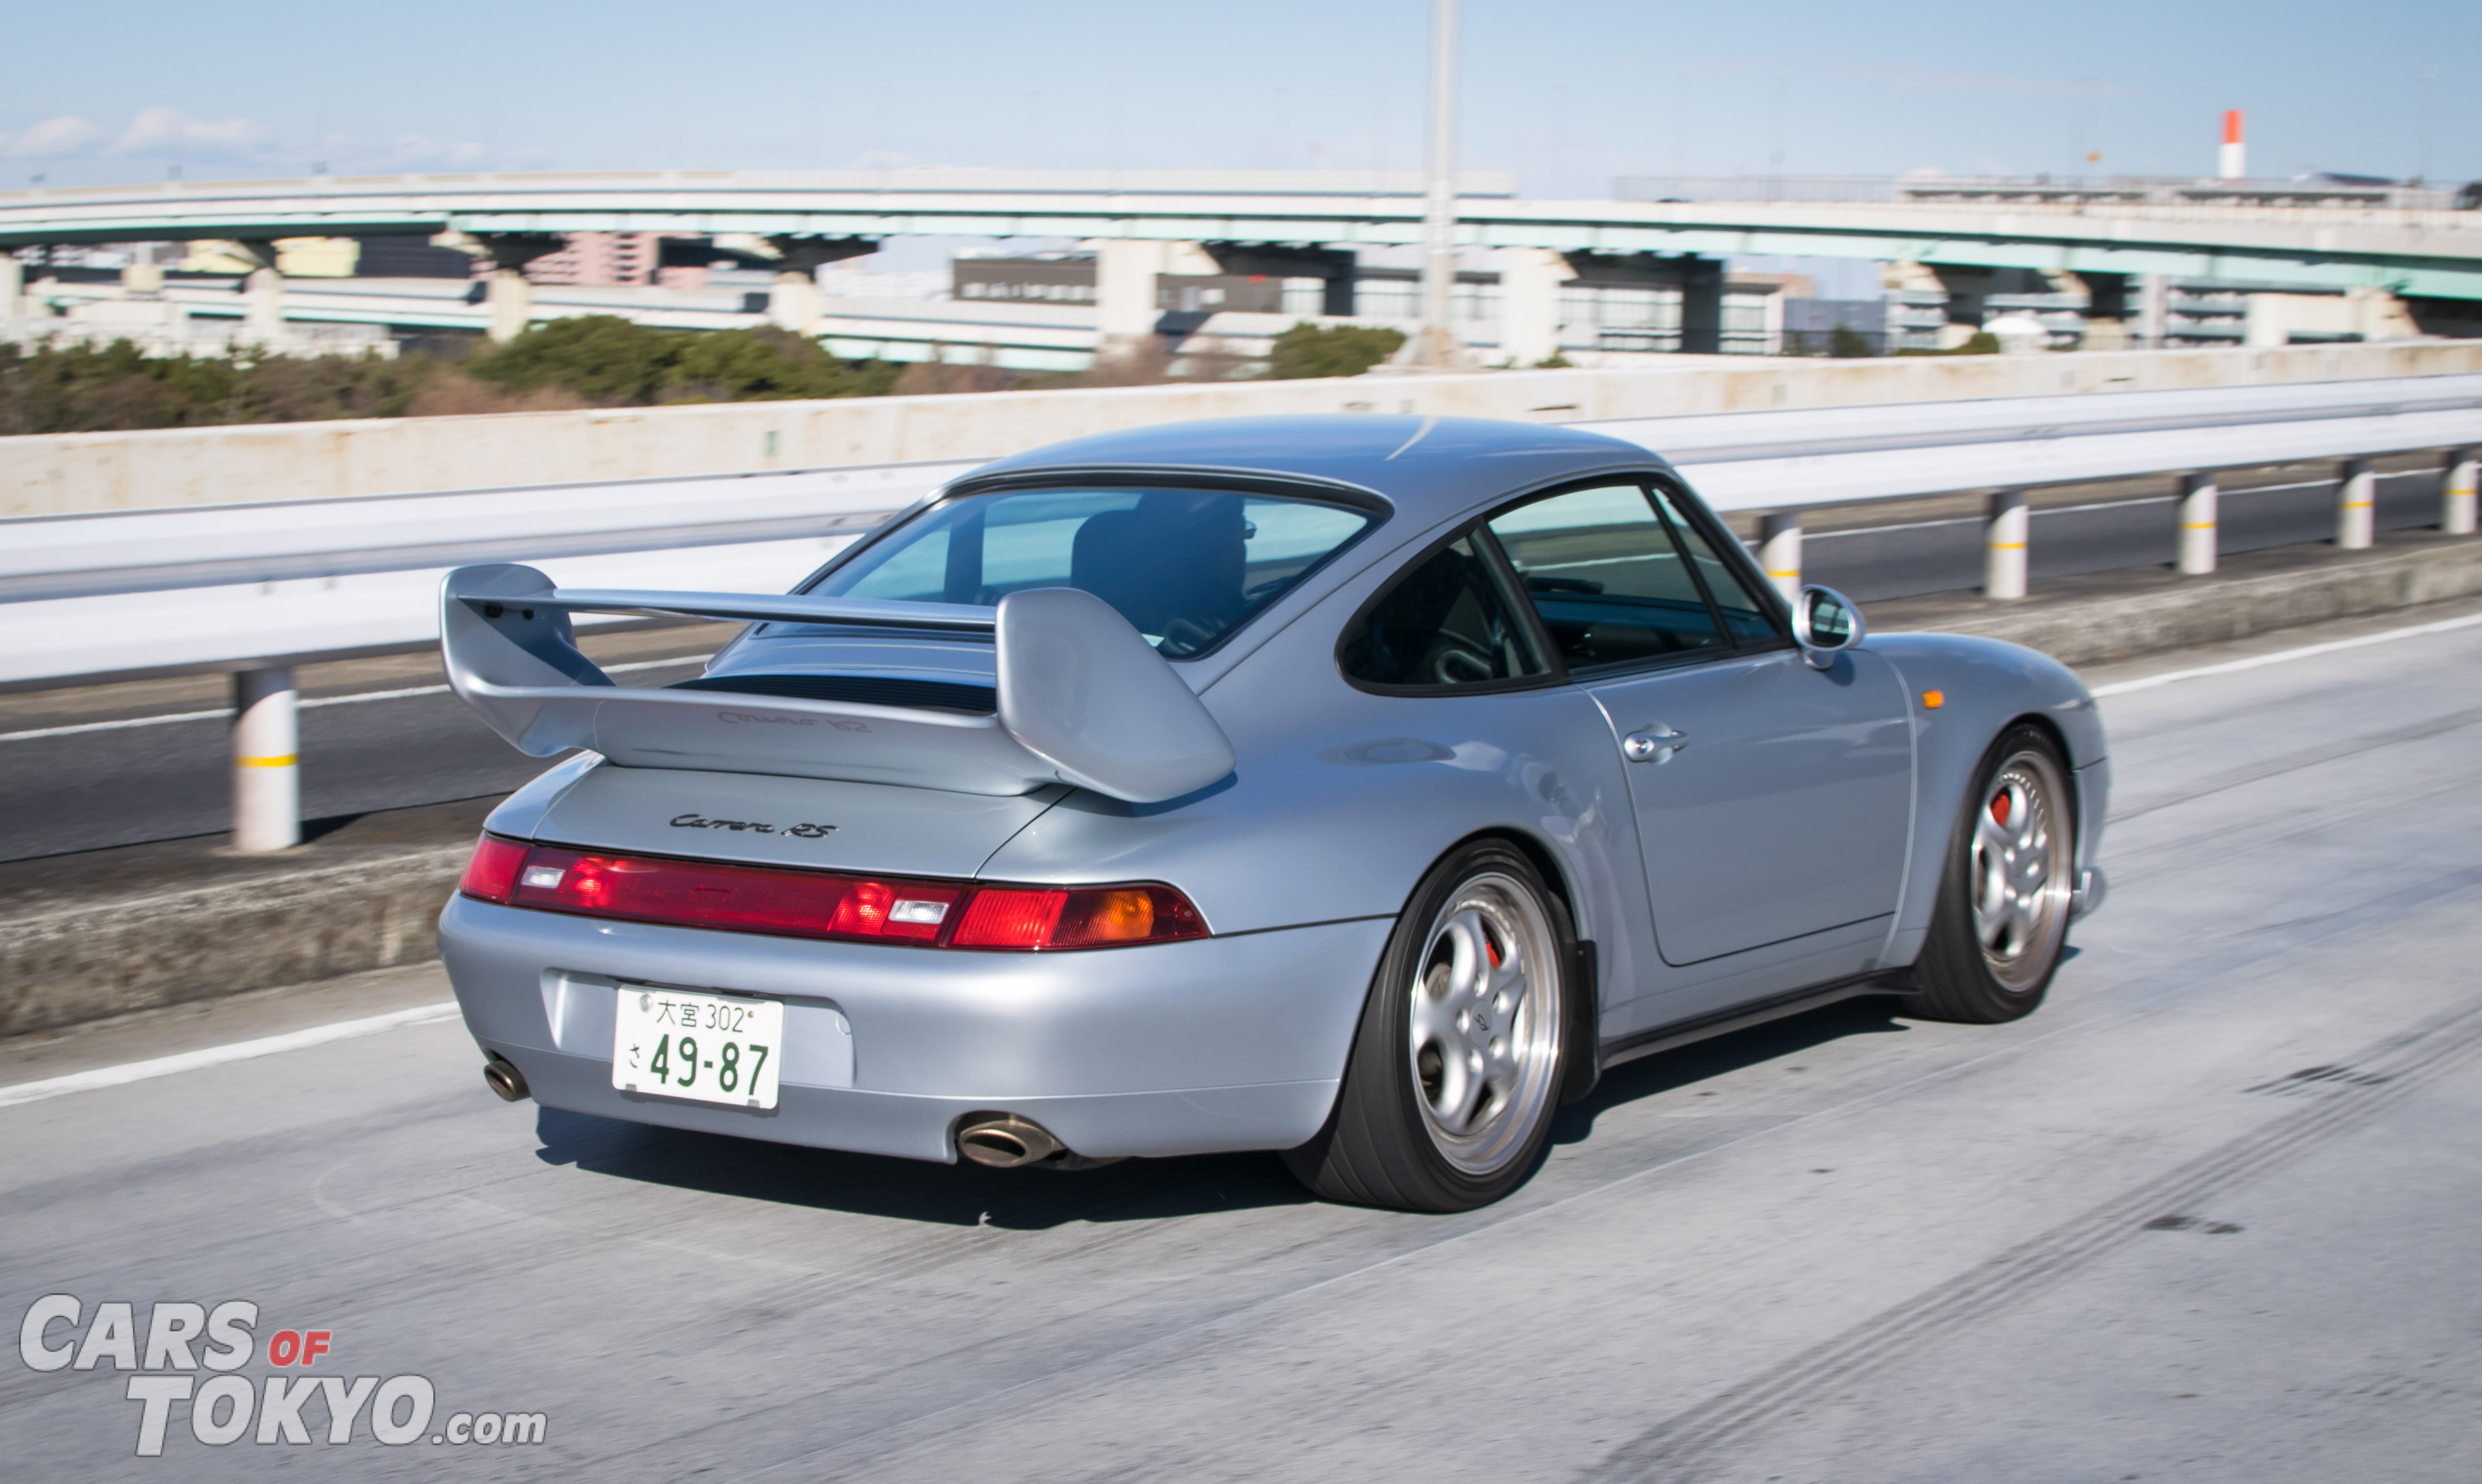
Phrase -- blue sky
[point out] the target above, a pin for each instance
(1567, 95)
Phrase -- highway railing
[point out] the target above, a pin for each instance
(258, 589)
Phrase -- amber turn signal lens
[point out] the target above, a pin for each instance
(1933, 700)
(1121, 915)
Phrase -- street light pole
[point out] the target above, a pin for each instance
(1440, 209)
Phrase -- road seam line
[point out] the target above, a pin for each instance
(2286, 656)
(1677, 1446)
(129, 1072)
(316, 701)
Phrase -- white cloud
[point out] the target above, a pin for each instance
(66, 134)
(421, 149)
(162, 130)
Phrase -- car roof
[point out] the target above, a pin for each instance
(1428, 467)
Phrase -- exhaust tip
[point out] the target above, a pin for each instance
(1004, 1141)
(501, 1076)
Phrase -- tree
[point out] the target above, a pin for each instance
(1847, 342)
(1309, 350)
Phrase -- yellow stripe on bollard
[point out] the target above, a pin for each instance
(289, 759)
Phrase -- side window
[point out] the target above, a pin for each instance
(1749, 619)
(1449, 622)
(1606, 576)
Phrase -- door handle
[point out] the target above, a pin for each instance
(1655, 744)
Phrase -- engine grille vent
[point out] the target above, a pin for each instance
(867, 689)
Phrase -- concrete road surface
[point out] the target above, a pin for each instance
(2209, 1215)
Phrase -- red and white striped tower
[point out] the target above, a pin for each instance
(2232, 162)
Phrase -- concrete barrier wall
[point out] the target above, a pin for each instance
(61, 474)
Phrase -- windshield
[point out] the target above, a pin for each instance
(1185, 566)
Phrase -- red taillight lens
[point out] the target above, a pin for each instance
(746, 899)
(1002, 919)
(492, 873)
(826, 904)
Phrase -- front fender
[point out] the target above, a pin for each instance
(1984, 685)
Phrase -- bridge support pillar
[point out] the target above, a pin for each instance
(1529, 303)
(267, 767)
(2003, 545)
(263, 294)
(511, 299)
(1780, 550)
(511, 296)
(793, 303)
(2107, 311)
(2357, 491)
(2154, 310)
(262, 315)
(1701, 306)
(2198, 538)
(1125, 308)
(2456, 492)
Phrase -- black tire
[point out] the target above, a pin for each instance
(1459, 1062)
(2002, 916)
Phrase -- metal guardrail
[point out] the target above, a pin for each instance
(256, 589)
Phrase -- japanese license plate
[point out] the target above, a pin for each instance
(707, 1047)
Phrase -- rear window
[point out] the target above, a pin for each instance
(1185, 566)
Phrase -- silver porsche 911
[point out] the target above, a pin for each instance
(1353, 786)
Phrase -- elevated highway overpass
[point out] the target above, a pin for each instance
(1137, 221)
(2416, 251)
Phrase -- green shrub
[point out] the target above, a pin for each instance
(610, 359)
(113, 388)
(1309, 350)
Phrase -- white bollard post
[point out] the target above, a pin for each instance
(2356, 489)
(2197, 524)
(267, 766)
(1780, 551)
(2456, 493)
(2003, 555)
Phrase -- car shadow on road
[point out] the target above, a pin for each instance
(1672, 1069)
(960, 1195)
(967, 1195)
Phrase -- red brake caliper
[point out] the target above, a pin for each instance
(2000, 807)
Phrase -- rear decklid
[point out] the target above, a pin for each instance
(820, 823)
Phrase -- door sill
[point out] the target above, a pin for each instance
(1757, 1012)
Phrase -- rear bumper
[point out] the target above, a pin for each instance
(1177, 1047)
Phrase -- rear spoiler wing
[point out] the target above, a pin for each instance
(1083, 698)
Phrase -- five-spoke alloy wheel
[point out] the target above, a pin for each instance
(1457, 1067)
(2002, 916)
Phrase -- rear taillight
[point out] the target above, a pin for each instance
(826, 904)
(492, 873)
(1081, 918)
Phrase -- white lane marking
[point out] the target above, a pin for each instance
(2099, 504)
(170, 718)
(217, 1055)
(2287, 656)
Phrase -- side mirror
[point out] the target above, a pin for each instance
(1823, 623)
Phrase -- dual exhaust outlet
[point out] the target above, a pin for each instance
(1001, 1141)
(1006, 1141)
(501, 1076)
